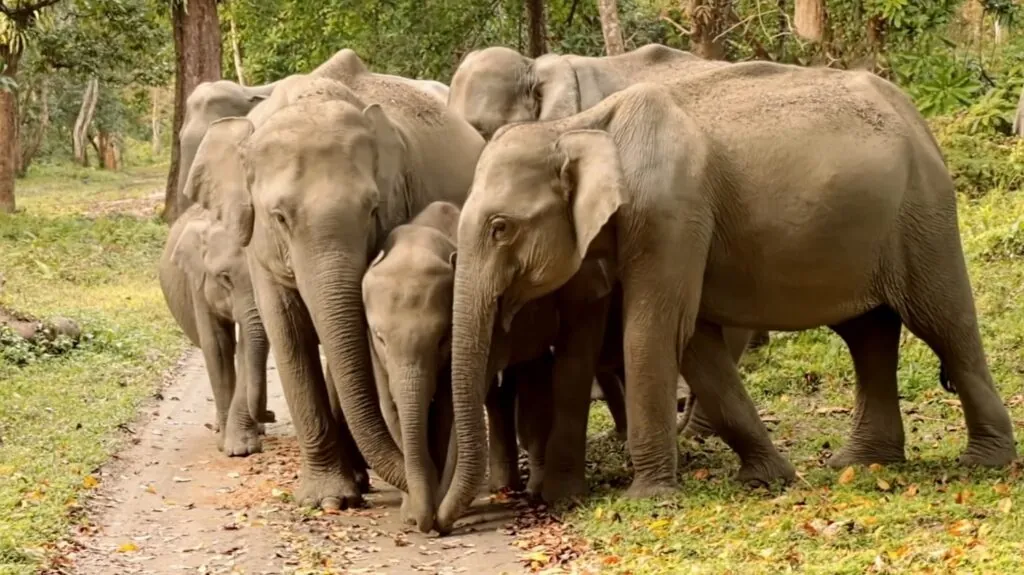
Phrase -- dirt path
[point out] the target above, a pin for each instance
(171, 503)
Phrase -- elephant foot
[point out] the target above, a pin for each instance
(504, 479)
(418, 516)
(241, 441)
(534, 484)
(766, 471)
(866, 452)
(560, 486)
(267, 416)
(644, 489)
(328, 490)
(991, 450)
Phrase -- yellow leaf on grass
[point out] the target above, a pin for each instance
(611, 560)
(701, 474)
(911, 490)
(883, 484)
(1001, 488)
(962, 497)
(659, 524)
(127, 548)
(599, 513)
(1005, 504)
(875, 467)
(847, 475)
(90, 481)
(538, 557)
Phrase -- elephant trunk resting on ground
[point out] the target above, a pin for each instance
(205, 281)
(316, 186)
(729, 197)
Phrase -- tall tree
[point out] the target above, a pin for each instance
(709, 20)
(197, 54)
(16, 18)
(609, 10)
(537, 28)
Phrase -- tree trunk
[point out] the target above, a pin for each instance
(537, 29)
(154, 122)
(1018, 119)
(808, 19)
(709, 20)
(197, 59)
(109, 156)
(236, 51)
(8, 130)
(85, 115)
(613, 44)
(31, 143)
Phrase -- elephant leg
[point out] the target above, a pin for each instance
(877, 435)
(442, 417)
(242, 435)
(349, 450)
(615, 396)
(503, 452)
(576, 354)
(937, 305)
(217, 341)
(534, 415)
(712, 374)
(696, 423)
(327, 480)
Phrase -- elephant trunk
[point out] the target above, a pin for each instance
(257, 349)
(335, 300)
(412, 394)
(472, 325)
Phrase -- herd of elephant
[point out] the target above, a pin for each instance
(497, 246)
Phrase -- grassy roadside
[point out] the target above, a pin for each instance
(59, 415)
(928, 516)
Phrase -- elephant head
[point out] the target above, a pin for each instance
(215, 261)
(538, 202)
(497, 86)
(314, 177)
(407, 292)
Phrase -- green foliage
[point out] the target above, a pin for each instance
(59, 413)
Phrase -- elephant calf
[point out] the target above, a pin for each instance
(205, 280)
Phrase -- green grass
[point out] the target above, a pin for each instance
(59, 415)
(929, 515)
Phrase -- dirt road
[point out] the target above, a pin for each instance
(171, 503)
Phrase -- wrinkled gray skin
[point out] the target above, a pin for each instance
(407, 293)
(209, 102)
(497, 86)
(323, 180)
(757, 195)
(205, 281)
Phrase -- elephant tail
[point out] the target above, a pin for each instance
(944, 380)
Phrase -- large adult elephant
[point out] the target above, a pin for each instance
(316, 186)
(758, 195)
(209, 102)
(498, 86)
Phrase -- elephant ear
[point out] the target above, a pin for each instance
(217, 180)
(187, 253)
(389, 156)
(556, 89)
(592, 181)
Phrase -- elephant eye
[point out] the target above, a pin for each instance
(501, 229)
(279, 218)
(225, 279)
(379, 338)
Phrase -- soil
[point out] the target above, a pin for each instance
(172, 503)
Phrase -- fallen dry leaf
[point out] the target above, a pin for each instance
(875, 467)
(90, 481)
(1001, 489)
(847, 475)
(701, 474)
(961, 528)
(911, 490)
(127, 548)
(1005, 504)
(831, 410)
(883, 484)
(177, 479)
(962, 497)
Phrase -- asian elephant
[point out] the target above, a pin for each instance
(209, 102)
(497, 86)
(205, 280)
(757, 195)
(313, 190)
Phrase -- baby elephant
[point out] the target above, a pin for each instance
(205, 280)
